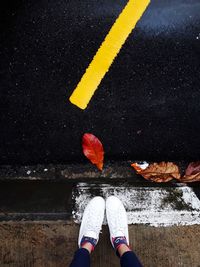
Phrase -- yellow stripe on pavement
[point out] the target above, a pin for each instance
(107, 52)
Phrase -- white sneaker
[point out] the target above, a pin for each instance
(92, 221)
(117, 220)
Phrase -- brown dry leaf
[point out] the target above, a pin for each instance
(192, 173)
(159, 172)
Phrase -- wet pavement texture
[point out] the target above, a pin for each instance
(147, 106)
(53, 244)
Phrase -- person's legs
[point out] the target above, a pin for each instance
(129, 259)
(119, 237)
(81, 258)
(89, 232)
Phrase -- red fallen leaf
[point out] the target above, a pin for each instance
(158, 172)
(192, 173)
(93, 150)
(193, 168)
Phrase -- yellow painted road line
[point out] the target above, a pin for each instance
(107, 52)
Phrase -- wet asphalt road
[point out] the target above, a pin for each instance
(147, 106)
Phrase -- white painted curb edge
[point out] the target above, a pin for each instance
(154, 206)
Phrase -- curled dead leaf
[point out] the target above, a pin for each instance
(159, 172)
(93, 149)
(192, 173)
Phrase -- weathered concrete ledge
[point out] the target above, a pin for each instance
(46, 192)
(79, 172)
